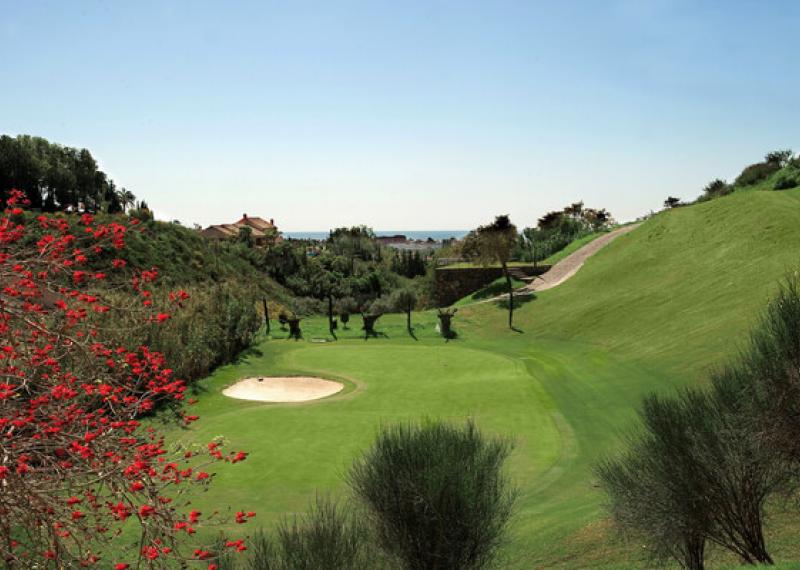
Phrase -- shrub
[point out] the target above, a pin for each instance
(647, 498)
(769, 372)
(216, 323)
(785, 182)
(705, 474)
(779, 157)
(328, 536)
(716, 188)
(757, 172)
(435, 494)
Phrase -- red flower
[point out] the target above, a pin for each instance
(121, 566)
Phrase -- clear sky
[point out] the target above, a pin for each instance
(406, 114)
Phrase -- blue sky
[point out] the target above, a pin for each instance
(404, 115)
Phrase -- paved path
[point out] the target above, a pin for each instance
(569, 266)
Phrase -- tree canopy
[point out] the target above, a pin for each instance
(54, 177)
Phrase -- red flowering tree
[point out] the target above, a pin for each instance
(76, 463)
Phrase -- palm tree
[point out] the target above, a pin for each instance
(126, 199)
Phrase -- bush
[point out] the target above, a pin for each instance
(647, 498)
(779, 157)
(769, 373)
(328, 536)
(697, 472)
(214, 325)
(717, 188)
(435, 494)
(756, 173)
(785, 182)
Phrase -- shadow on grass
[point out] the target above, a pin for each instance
(452, 335)
(519, 301)
(375, 334)
(494, 289)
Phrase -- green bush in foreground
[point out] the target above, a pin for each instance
(328, 536)
(705, 462)
(435, 495)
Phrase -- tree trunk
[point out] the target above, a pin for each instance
(266, 314)
(510, 296)
(330, 313)
(694, 552)
(408, 319)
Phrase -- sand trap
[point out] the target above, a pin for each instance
(283, 389)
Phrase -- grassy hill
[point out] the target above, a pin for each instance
(653, 310)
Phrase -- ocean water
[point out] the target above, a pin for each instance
(436, 235)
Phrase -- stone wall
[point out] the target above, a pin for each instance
(453, 284)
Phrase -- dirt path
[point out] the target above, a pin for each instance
(570, 265)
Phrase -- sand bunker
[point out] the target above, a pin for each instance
(283, 389)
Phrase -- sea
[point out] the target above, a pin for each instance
(436, 235)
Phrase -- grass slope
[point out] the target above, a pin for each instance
(493, 289)
(571, 247)
(653, 310)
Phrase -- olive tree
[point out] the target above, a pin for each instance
(404, 300)
(495, 243)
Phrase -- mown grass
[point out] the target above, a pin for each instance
(654, 310)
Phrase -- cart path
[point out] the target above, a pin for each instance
(570, 265)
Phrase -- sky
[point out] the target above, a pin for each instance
(407, 115)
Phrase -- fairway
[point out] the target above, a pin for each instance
(635, 319)
(555, 400)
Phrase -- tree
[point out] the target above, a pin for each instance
(435, 494)
(445, 321)
(779, 157)
(494, 243)
(76, 461)
(55, 177)
(246, 236)
(672, 202)
(126, 199)
(530, 239)
(405, 300)
(345, 307)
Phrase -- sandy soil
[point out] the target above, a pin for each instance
(282, 389)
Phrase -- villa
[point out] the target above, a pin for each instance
(263, 232)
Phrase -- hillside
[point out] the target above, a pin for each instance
(681, 289)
